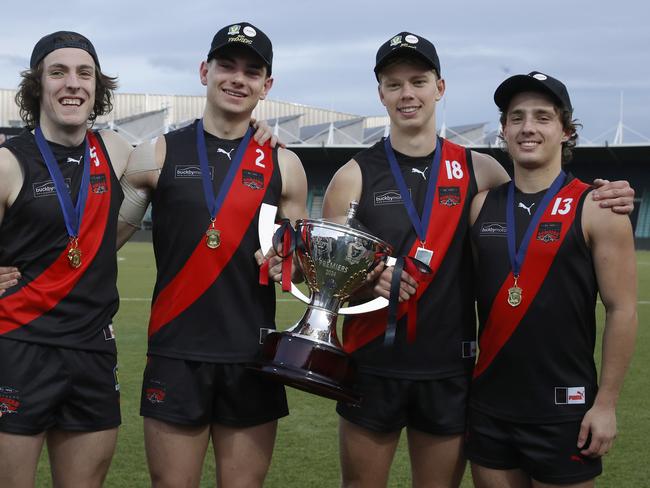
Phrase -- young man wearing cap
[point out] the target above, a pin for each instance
(537, 414)
(206, 184)
(414, 191)
(59, 201)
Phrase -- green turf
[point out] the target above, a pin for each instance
(306, 453)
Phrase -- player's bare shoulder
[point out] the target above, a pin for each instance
(601, 224)
(489, 172)
(346, 186)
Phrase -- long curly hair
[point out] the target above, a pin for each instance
(28, 97)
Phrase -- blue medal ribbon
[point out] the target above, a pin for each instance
(517, 256)
(71, 214)
(420, 226)
(214, 204)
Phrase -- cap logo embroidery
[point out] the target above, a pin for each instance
(395, 41)
(249, 31)
(539, 76)
(234, 29)
(411, 39)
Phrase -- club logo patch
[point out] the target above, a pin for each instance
(449, 196)
(571, 395)
(493, 229)
(234, 29)
(47, 188)
(388, 197)
(395, 41)
(98, 184)
(155, 393)
(191, 171)
(252, 179)
(549, 232)
(9, 401)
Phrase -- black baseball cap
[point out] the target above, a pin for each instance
(60, 40)
(533, 81)
(247, 35)
(407, 44)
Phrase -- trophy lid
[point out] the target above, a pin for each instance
(352, 221)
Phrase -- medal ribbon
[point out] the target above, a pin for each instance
(517, 256)
(214, 204)
(420, 226)
(418, 271)
(285, 236)
(71, 214)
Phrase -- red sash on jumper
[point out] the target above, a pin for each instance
(447, 210)
(204, 265)
(504, 319)
(44, 292)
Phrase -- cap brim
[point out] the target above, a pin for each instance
(517, 84)
(228, 45)
(402, 52)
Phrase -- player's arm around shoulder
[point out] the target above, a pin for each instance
(119, 150)
(488, 171)
(293, 201)
(345, 186)
(139, 180)
(609, 235)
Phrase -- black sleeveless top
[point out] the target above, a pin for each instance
(223, 324)
(446, 323)
(33, 235)
(545, 371)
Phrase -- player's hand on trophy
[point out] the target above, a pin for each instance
(9, 277)
(408, 286)
(263, 133)
(275, 265)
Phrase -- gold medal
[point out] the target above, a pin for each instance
(212, 238)
(74, 254)
(514, 295)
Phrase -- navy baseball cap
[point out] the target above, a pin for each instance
(246, 35)
(60, 40)
(533, 81)
(407, 44)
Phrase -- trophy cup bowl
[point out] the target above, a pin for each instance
(335, 260)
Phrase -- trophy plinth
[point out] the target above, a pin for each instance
(335, 259)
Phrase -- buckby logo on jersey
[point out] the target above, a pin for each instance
(9, 400)
(449, 196)
(252, 179)
(570, 395)
(549, 232)
(388, 197)
(47, 188)
(98, 184)
(191, 171)
(494, 229)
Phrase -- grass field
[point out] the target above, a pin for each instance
(306, 453)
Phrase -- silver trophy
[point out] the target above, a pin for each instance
(335, 260)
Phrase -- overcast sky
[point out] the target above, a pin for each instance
(325, 50)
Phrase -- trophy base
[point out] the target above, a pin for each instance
(308, 365)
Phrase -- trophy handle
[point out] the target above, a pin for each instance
(266, 227)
